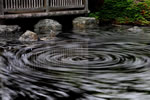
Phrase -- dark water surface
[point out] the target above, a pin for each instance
(109, 63)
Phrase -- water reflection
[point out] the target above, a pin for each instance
(99, 64)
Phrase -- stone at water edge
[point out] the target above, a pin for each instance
(29, 36)
(45, 26)
(135, 29)
(84, 22)
(50, 36)
(9, 29)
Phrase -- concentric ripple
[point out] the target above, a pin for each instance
(75, 70)
(79, 57)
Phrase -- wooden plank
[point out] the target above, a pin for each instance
(47, 5)
(66, 7)
(42, 3)
(1, 7)
(30, 15)
(86, 6)
(25, 10)
(6, 6)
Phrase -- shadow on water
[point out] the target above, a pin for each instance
(105, 63)
(26, 24)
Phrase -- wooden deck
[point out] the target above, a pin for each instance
(11, 9)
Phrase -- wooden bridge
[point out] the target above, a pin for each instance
(11, 9)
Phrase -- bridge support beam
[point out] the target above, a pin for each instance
(48, 14)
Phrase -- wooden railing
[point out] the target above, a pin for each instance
(11, 9)
(39, 5)
(14, 4)
(64, 3)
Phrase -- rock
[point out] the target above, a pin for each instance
(135, 29)
(51, 36)
(29, 36)
(45, 38)
(84, 22)
(9, 29)
(48, 38)
(45, 26)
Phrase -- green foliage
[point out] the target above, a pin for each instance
(125, 12)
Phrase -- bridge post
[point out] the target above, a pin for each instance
(47, 5)
(1, 7)
(86, 6)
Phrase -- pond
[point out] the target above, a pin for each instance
(104, 63)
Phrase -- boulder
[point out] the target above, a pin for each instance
(45, 26)
(9, 29)
(29, 36)
(135, 29)
(84, 22)
(51, 36)
(48, 38)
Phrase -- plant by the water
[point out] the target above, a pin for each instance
(124, 12)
